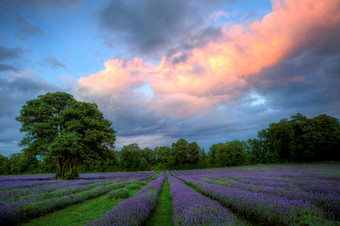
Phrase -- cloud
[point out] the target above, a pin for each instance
(305, 84)
(6, 67)
(246, 51)
(26, 27)
(48, 4)
(145, 140)
(118, 74)
(14, 92)
(150, 26)
(53, 63)
(216, 72)
(13, 15)
(242, 81)
(8, 55)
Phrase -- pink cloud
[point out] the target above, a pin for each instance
(298, 78)
(118, 74)
(214, 73)
(21, 74)
(218, 14)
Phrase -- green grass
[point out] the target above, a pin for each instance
(80, 213)
(162, 215)
(326, 171)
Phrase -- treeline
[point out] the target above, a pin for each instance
(298, 139)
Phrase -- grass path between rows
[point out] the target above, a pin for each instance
(162, 215)
(79, 214)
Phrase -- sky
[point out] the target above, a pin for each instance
(208, 71)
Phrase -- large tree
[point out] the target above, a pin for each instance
(68, 131)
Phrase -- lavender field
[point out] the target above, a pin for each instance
(249, 195)
(273, 195)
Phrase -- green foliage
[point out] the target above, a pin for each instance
(130, 157)
(228, 154)
(119, 194)
(19, 163)
(73, 175)
(299, 139)
(67, 136)
(132, 186)
(3, 164)
(67, 132)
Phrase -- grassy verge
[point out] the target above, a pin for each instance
(80, 213)
(162, 215)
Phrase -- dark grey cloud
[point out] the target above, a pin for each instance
(48, 4)
(306, 84)
(10, 53)
(25, 26)
(6, 67)
(13, 95)
(53, 63)
(151, 25)
(195, 39)
(8, 58)
(12, 15)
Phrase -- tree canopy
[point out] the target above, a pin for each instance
(68, 132)
(62, 133)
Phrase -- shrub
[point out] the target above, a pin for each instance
(73, 175)
(119, 194)
(132, 186)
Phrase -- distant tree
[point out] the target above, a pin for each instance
(193, 153)
(3, 164)
(223, 155)
(301, 139)
(256, 150)
(163, 157)
(179, 151)
(143, 164)
(316, 139)
(19, 163)
(328, 129)
(150, 157)
(66, 131)
(130, 157)
(212, 154)
(236, 150)
(203, 160)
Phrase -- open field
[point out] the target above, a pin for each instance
(249, 195)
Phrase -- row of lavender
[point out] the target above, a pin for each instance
(275, 195)
(135, 210)
(191, 208)
(38, 199)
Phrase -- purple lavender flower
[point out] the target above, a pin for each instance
(37, 201)
(191, 208)
(135, 210)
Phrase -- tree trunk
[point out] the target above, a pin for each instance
(73, 163)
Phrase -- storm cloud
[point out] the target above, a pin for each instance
(149, 26)
(13, 95)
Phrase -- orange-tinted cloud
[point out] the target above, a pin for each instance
(247, 51)
(118, 74)
(298, 78)
(214, 74)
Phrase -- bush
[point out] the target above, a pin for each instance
(119, 194)
(132, 186)
(142, 183)
(73, 175)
